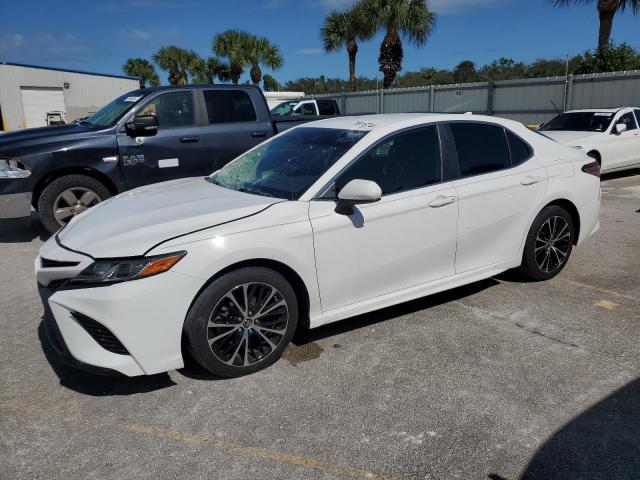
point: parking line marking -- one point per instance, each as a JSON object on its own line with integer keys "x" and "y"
{"x": 290, "y": 458}
{"x": 256, "y": 451}
{"x": 607, "y": 304}
{"x": 603, "y": 290}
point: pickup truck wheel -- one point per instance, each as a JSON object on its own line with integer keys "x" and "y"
{"x": 66, "y": 197}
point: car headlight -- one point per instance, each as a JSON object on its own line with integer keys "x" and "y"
{"x": 122, "y": 270}
{"x": 13, "y": 168}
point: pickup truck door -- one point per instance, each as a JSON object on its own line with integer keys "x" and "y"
{"x": 176, "y": 151}
{"x": 234, "y": 123}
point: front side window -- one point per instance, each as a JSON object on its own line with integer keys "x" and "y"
{"x": 637, "y": 115}
{"x": 282, "y": 109}
{"x": 628, "y": 120}
{"x": 580, "y": 122}
{"x": 288, "y": 165}
{"x": 481, "y": 148}
{"x": 172, "y": 109}
{"x": 229, "y": 106}
{"x": 403, "y": 162}
{"x": 307, "y": 109}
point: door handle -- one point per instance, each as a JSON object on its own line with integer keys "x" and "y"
{"x": 193, "y": 139}
{"x": 530, "y": 180}
{"x": 441, "y": 201}
{"x": 258, "y": 134}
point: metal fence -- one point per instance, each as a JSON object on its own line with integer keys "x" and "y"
{"x": 531, "y": 101}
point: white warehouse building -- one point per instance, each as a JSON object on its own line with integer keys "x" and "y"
{"x": 32, "y": 96}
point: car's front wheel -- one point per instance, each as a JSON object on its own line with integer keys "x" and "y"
{"x": 549, "y": 243}
{"x": 242, "y": 322}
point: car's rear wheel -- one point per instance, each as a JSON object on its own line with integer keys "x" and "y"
{"x": 242, "y": 322}
{"x": 68, "y": 196}
{"x": 549, "y": 243}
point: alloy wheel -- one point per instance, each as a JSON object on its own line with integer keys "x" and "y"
{"x": 247, "y": 324}
{"x": 73, "y": 201}
{"x": 553, "y": 243}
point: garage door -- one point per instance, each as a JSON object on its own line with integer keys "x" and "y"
{"x": 38, "y": 101}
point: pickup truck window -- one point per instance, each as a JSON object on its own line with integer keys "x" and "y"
{"x": 109, "y": 115}
{"x": 327, "y": 107}
{"x": 229, "y": 106}
{"x": 307, "y": 109}
{"x": 288, "y": 165}
{"x": 173, "y": 109}
{"x": 283, "y": 108}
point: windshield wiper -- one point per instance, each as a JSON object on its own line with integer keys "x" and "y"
{"x": 254, "y": 192}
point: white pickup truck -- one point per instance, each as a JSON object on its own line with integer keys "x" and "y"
{"x": 611, "y": 136}
{"x": 320, "y": 107}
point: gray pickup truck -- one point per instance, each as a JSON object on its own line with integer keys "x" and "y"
{"x": 145, "y": 136}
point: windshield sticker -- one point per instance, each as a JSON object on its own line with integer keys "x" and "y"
{"x": 132, "y": 99}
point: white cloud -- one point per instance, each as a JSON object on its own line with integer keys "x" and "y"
{"x": 46, "y": 47}
{"x": 137, "y": 34}
{"x": 309, "y": 51}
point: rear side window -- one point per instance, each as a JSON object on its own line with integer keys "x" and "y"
{"x": 481, "y": 148}
{"x": 637, "y": 115}
{"x": 327, "y": 107}
{"x": 520, "y": 151}
{"x": 403, "y": 162}
{"x": 229, "y": 106}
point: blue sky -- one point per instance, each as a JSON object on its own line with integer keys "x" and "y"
{"x": 100, "y": 36}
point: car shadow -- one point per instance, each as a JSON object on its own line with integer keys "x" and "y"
{"x": 305, "y": 336}
{"x": 602, "y": 442}
{"x": 22, "y": 230}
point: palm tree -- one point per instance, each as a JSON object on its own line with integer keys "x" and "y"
{"x": 139, "y": 67}
{"x": 606, "y": 11}
{"x": 259, "y": 50}
{"x": 344, "y": 29}
{"x": 410, "y": 19}
{"x": 177, "y": 61}
{"x": 204, "y": 71}
{"x": 232, "y": 44}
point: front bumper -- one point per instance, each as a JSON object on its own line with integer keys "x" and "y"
{"x": 15, "y": 205}
{"x": 144, "y": 316}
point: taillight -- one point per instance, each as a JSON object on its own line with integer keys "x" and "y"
{"x": 592, "y": 168}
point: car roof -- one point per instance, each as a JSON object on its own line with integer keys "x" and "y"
{"x": 400, "y": 120}
{"x": 598, "y": 110}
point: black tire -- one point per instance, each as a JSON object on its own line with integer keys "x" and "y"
{"x": 227, "y": 361}
{"x": 51, "y": 193}
{"x": 543, "y": 258}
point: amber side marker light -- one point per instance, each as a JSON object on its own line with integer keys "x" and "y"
{"x": 159, "y": 265}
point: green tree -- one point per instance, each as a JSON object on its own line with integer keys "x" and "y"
{"x": 410, "y": 19}
{"x": 260, "y": 51}
{"x": 344, "y": 29}
{"x": 465, "y": 72}
{"x": 270, "y": 84}
{"x": 204, "y": 71}
{"x": 503, "y": 69}
{"x": 233, "y": 45}
{"x": 139, "y": 67}
{"x": 177, "y": 61}
{"x": 607, "y": 9}
{"x": 610, "y": 59}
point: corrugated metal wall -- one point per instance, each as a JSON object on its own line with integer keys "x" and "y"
{"x": 531, "y": 101}
{"x": 86, "y": 93}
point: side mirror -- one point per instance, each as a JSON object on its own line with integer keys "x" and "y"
{"x": 619, "y": 128}
{"x": 142, "y": 126}
{"x": 355, "y": 192}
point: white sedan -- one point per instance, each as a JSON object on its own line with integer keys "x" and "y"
{"x": 326, "y": 221}
{"x": 611, "y": 136}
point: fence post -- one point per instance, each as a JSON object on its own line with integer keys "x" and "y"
{"x": 490, "y": 94}
{"x": 343, "y": 103}
{"x": 568, "y": 93}
{"x": 432, "y": 98}
{"x": 382, "y": 101}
